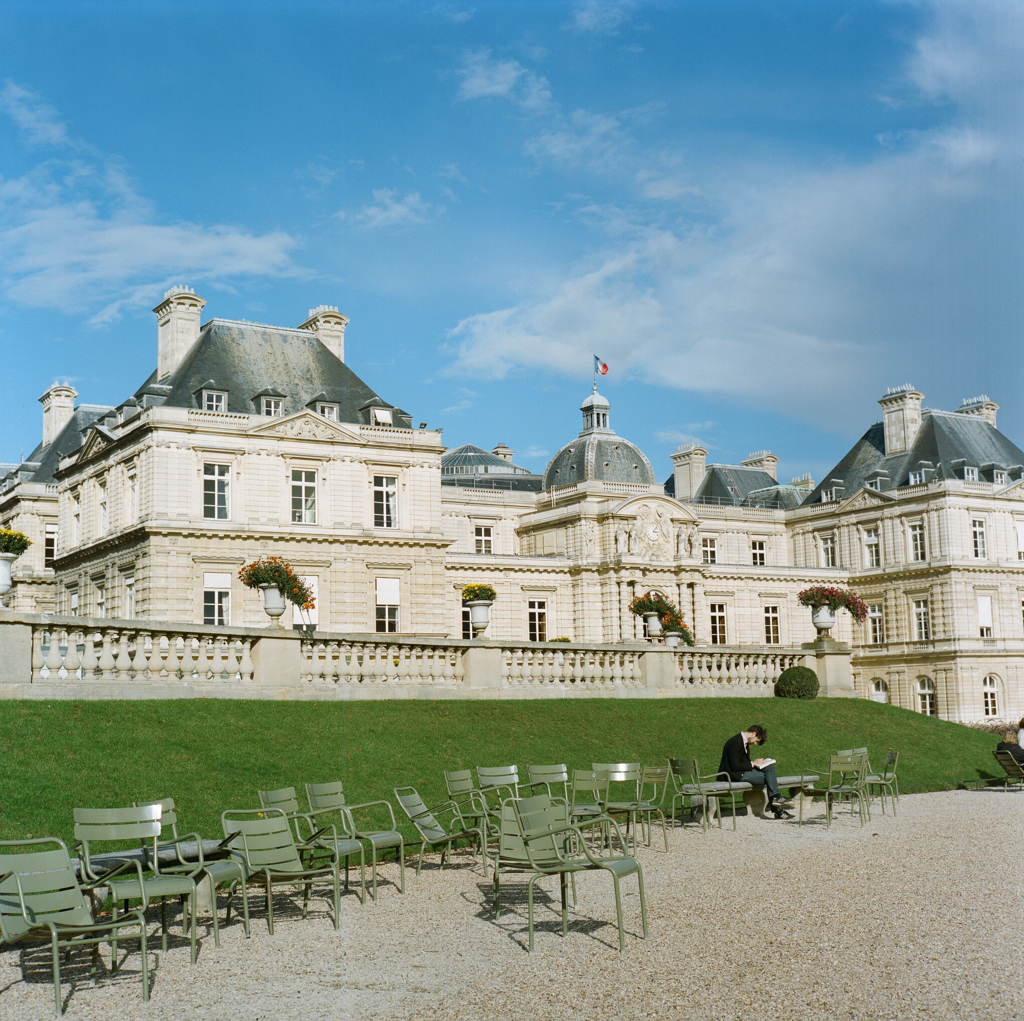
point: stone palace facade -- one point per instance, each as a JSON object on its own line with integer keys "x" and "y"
{"x": 250, "y": 439}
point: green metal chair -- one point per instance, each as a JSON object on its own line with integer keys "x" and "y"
{"x": 712, "y": 790}
{"x": 330, "y": 797}
{"x": 655, "y": 777}
{"x": 41, "y": 900}
{"x": 128, "y": 880}
{"x": 263, "y": 841}
{"x": 432, "y": 832}
{"x": 555, "y": 848}
{"x": 846, "y": 779}
{"x": 221, "y": 870}
{"x": 495, "y": 779}
{"x": 588, "y": 782}
{"x": 630, "y": 774}
{"x": 1011, "y": 767}
{"x": 472, "y": 804}
{"x": 554, "y": 776}
{"x": 682, "y": 773}
{"x": 345, "y": 843}
{"x": 885, "y": 781}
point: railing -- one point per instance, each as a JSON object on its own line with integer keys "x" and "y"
{"x": 48, "y": 656}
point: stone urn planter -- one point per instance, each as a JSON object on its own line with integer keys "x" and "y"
{"x": 6, "y": 560}
{"x": 824, "y": 619}
{"x": 672, "y": 640}
{"x": 479, "y": 615}
{"x": 273, "y": 603}
{"x": 653, "y": 625}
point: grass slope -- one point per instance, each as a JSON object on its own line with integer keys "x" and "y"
{"x": 211, "y": 754}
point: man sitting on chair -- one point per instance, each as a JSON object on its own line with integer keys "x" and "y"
{"x": 736, "y": 762}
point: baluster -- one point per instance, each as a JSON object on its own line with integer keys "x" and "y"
{"x": 190, "y": 658}
{"x": 447, "y": 671}
{"x": 530, "y": 666}
{"x": 245, "y": 667}
{"x": 348, "y": 663}
{"x": 459, "y": 671}
{"x": 407, "y": 664}
{"x": 315, "y": 666}
{"x": 106, "y": 663}
{"x": 38, "y": 659}
{"x": 159, "y": 649}
{"x": 71, "y": 659}
{"x": 330, "y": 662}
{"x": 704, "y": 667}
{"x": 54, "y": 660}
{"x": 616, "y": 670}
{"x": 173, "y": 662}
{"x": 140, "y": 660}
{"x": 547, "y": 667}
{"x": 219, "y": 658}
{"x": 759, "y": 672}
{"x": 89, "y": 660}
{"x": 123, "y": 661}
{"x": 568, "y": 666}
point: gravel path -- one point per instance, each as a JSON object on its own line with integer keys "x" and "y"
{"x": 911, "y": 918}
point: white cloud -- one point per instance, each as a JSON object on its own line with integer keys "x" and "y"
{"x": 390, "y": 211}
{"x": 535, "y": 452}
{"x": 794, "y": 277}
{"x": 602, "y": 17}
{"x": 452, "y": 13}
{"x": 75, "y": 234}
{"x": 485, "y": 77}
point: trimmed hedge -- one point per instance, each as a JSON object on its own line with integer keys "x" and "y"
{"x": 797, "y": 682}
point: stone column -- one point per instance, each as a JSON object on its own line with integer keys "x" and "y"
{"x": 831, "y": 662}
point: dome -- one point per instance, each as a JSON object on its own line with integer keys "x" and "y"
{"x": 472, "y": 460}
{"x": 597, "y": 454}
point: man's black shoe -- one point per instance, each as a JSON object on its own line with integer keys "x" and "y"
{"x": 780, "y": 802}
{"x": 781, "y": 813}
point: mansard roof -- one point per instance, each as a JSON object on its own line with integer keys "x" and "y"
{"x": 945, "y": 443}
{"x": 45, "y": 460}
{"x": 245, "y": 360}
{"x": 474, "y": 460}
{"x": 734, "y": 485}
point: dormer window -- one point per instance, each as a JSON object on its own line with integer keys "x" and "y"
{"x": 328, "y": 411}
{"x": 970, "y": 474}
{"x": 271, "y": 406}
{"x": 999, "y": 478}
{"x": 916, "y": 479}
{"x": 875, "y": 484}
{"x": 382, "y": 416}
{"x": 215, "y": 400}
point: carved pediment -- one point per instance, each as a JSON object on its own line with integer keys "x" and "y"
{"x": 305, "y": 425}
{"x": 1015, "y": 491}
{"x": 865, "y": 498}
{"x": 96, "y": 441}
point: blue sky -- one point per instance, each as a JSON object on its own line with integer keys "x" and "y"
{"x": 759, "y": 214}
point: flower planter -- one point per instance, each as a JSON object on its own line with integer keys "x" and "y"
{"x": 479, "y": 615}
{"x": 6, "y": 560}
{"x": 653, "y": 625}
{"x": 273, "y": 603}
{"x": 672, "y": 640}
{"x": 824, "y": 619}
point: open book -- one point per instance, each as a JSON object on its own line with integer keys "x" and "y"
{"x": 766, "y": 762}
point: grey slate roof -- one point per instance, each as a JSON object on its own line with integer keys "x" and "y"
{"x": 517, "y": 483}
{"x": 737, "y": 486}
{"x": 248, "y": 359}
{"x": 44, "y": 461}
{"x": 944, "y": 445}
{"x": 472, "y": 460}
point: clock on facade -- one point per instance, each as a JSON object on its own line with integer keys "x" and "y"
{"x": 653, "y": 532}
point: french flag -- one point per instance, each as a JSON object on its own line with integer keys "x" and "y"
{"x": 601, "y": 368}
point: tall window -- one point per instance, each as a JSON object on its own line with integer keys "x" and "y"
{"x": 872, "y": 548}
{"x": 128, "y": 610}
{"x": 717, "y": 615}
{"x": 271, "y": 406}
{"x": 385, "y": 501}
{"x": 388, "y": 591}
{"x": 216, "y": 479}
{"x": 329, "y": 411}
{"x": 984, "y": 616}
{"x": 215, "y": 400}
{"x": 879, "y": 690}
{"x": 1019, "y": 529}
{"x": 73, "y": 602}
{"x": 990, "y": 696}
{"x": 876, "y": 624}
{"x": 970, "y": 474}
{"x": 978, "y": 537}
{"x": 217, "y": 599}
{"x": 76, "y": 518}
{"x": 538, "y": 620}
{"x": 483, "y": 538}
{"x": 917, "y": 550}
{"x": 102, "y": 500}
{"x": 828, "y": 551}
{"x": 757, "y": 552}
{"x": 709, "y": 551}
{"x": 131, "y": 502}
{"x": 922, "y": 621}
{"x": 771, "y": 625}
{"x": 467, "y": 623}
{"x": 50, "y": 546}
{"x": 304, "y": 497}
{"x": 926, "y": 703}
{"x": 101, "y": 600}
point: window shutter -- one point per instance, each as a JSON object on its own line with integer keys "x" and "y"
{"x": 984, "y": 611}
{"x": 388, "y": 590}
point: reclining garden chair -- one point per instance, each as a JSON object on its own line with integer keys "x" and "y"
{"x": 554, "y": 848}
{"x": 344, "y": 842}
{"x": 221, "y": 870}
{"x": 432, "y": 832}
{"x": 41, "y": 900}
{"x": 472, "y": 803}
{"x": 129, "y": 879}
{"x": 1011, "y": 767}
{"x": 330, "y": 797}
{"x": 496, "y": 779}
{"x": 262, "y": 841}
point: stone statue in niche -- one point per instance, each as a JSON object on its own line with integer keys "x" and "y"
{"x": 634, "y": 538}
{"x": 589, "y": 534}
{"x": 621, "y": 540}
{"x": 691, "y": 541}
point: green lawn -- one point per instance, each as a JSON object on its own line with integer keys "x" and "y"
{"x": 210, "y": 754}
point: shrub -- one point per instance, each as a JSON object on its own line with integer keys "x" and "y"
{"x": 797, "y": 682}
{"x": 13, "y": 542}
{"x": 559, "y": 639}
{"x": 477, "y": 593}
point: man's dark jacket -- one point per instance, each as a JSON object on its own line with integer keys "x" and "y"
{"x": 735, "y": 758}
{"x": 1013, "y": 748}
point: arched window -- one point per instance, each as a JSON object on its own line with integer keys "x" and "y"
{"x": 926, "y": 702}
{"x": 990, "y": 696}
{"x": 879, "y": 690}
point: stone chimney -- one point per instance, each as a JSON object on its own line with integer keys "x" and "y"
{"x": 58, "y": 406}
{"x": 763, "y": 459}
{"x": 329, "y": 326}
{"x": 980, "y": 406}
{"x": 503, "y": 452}
{"x": 901, "y": 407}
{"x": 804, "y": 482}
{"x": 689, "y": 470}
{"x": 178, "y": 324}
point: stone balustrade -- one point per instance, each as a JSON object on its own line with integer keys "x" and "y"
{"x": 45, "y": 656}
